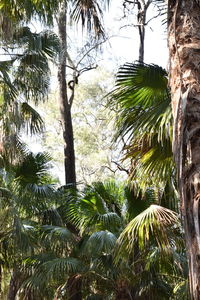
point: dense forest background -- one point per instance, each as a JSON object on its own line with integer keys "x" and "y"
{"x": 91, "y": 199}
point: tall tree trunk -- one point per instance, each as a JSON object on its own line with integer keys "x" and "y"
{"x": 65, "y": 105}
{"x": 184, "y": 47}
{"x": 141, "y": 16}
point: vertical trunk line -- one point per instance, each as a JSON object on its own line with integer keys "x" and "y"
{"x": 65, "y": 107}
{"x": 196, "y": 221}
{"x": 184, "y": 46}
{"x": 142, "y": 9}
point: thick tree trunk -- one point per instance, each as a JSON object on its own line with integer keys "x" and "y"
{"x": 65, "y": 106}
{"x": 184, "y": 46}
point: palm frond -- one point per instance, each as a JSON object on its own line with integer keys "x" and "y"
{"x": 153, "y": 223}
{"x": 101, "y": 242}
{"x": 24, "y": 11}
{"x": 140, "y": 84}
{"x": 45, "y": 43}
{"x": 58, "y": 236}
{"x": 144, "y": 121}
{"x": 90, "y": 13}
{"x": 32, "y": 118}
{"x": 54, "y": 269}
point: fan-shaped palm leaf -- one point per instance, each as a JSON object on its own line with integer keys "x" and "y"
{"x": 100, "y": 242}
{"x": 154, "y": 223}
{"x": 58, "y": 237}
{"x": 89, "y": 12}
{"x": 53, "y": 269}
{"x": 145, "y": 121}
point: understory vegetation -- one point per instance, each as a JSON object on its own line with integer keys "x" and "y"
{"x": 95, "y": 214}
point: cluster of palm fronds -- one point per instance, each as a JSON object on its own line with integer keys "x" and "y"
{"x": 109, "y": 240}
{"x": 24, "y": 76}
{"x": 144, "y": 122}
{"x": 70, "y": 244}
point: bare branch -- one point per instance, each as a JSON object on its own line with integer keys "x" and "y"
{"x": 154, "y": 17}
{"x": 87, "y": 69}
{"x": 92, "y": 48}
{"x": 120, "y": 167}
{"x": 111, "y": 170}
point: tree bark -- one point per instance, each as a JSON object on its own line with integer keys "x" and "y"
{"x": 65, "y": 106}
{"x": 184, "y": 47}
{"x": 142, "y": 10}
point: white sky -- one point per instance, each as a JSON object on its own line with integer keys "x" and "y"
{"x": 124, "y": 48}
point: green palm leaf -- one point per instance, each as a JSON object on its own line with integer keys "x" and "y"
{"x": 100, "y": 242}
{"x": 90, "y": 13}
{"x": 144, "y": 122}
{"x": 154, "y": 223}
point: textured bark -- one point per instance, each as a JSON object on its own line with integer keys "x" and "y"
{"x": 65, "y": 105}
{"x": 184, "y": 47}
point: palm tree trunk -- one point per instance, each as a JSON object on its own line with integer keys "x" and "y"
{"x": 122, "y": 291}
{"x": 14, "y": 284}
{"x": 184, "y": 47}
{"x": 65, "y": 106}
{"x": 74, "y": 286}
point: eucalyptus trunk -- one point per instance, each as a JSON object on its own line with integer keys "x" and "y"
{"x": 141, "y": 16}
{"x": 184, "y": 47}
{"x": 65, "y": 105}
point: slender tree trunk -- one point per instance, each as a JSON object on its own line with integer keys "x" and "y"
{"x": 184, "y": 47}
{"x": 14, "y": 284}
{"x": 65, "y": 106}
{"x": 142, "y": 9}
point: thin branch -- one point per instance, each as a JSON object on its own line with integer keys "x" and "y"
{"x": 120, "y": 167}
{"x": 87, "y": 69}
{"x": 92, "y": 48}
{"x": 153, "y": 18}
{"x": 107, "y": 167}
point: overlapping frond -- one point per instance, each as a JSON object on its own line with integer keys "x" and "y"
{"x": 100, "y": 242}
{"x": 144, "y": 121}
{"x": 154, "y": 223}
{"x": 90, "y": 13}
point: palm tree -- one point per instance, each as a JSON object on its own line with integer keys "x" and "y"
{"x": 144, "y": 122}
{"x": 26, "y": 189}
{"x": 24, "y": 78}
{"x": 87, "y": 264}
{"x": 183, "y": 24}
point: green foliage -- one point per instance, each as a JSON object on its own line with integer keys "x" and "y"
{"x": 144, "y": 122}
